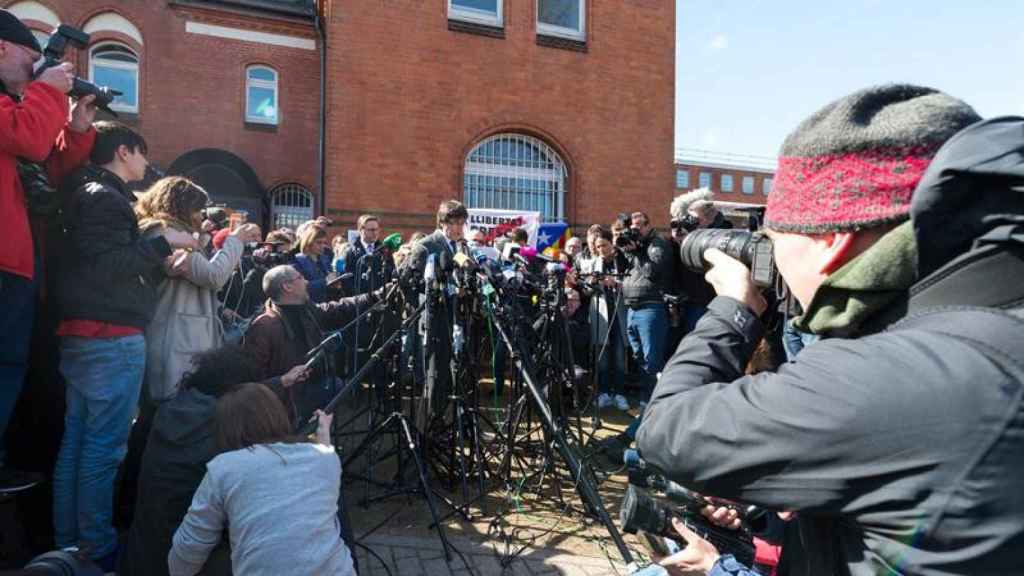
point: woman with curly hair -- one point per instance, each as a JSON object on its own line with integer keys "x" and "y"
{"x": 186, "y": 320}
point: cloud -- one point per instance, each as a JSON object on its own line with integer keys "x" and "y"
{"x": 719, "y": 42}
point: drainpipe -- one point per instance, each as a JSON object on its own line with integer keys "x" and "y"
{"x": 321, "y": 153}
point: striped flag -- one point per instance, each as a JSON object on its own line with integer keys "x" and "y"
{"x": 551, "y": 238}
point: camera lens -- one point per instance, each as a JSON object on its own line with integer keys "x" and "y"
{"x": 753, "y": 249}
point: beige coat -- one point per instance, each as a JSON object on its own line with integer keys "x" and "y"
{"x": 187, "y": 319}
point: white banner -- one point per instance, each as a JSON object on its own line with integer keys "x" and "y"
{"x": 497, "y": 222}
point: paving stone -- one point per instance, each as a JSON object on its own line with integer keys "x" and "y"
{"x": 437, "y": 567}
{"x": 409, "y": 567}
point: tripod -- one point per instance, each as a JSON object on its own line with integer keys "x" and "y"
{"x": 407, "y": 446}
{"x": 584, "y": 476}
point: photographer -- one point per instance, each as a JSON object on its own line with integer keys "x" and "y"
{"x": 275, "y": 496}
{"x": 650, "y": 278}
{"x": 291, "y": 326}
{"x": 600, "y": 284}
{"x": 35, "y": 127}
{"x": 243, "y": 296}
{"x": 694, "y": 211}
{"x": 107, "y": 293}
{"x": 180, "y": 445}
{"x": 897, "y": 439}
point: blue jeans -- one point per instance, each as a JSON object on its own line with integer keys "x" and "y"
{"x": 611, "y": 366}
{"x": 18, "y": 296}
{"x": 648, "y": 332}
{"x": 104, "y": 377}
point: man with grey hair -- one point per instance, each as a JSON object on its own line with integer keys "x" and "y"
{"x": 291, "y": 325}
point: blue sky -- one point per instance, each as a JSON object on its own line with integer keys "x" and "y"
{"x": 747, "y": 71}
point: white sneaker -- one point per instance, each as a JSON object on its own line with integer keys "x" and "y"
{"x": 621, "y": 403}
{"x": 604, "y": 401}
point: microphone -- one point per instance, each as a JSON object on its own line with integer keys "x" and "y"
{"x": 430, "y": 271}
{"x": 463, "y": 261}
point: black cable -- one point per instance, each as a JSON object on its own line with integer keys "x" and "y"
{"x": 374, "y": 554}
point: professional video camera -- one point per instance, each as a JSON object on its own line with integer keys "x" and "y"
{"x": 688, "y": 222}
{"x": 642, "y": 512}
{"x": 53, "y": 54}
{"x": 630, "y": 237}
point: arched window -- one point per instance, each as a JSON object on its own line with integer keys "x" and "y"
{"x": 117, "y": 66}
{"x": 516, "y": 172}
{"x": 290, "y": 205}
{"x": 261, "y": 95}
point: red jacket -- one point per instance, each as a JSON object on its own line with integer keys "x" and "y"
{"x": 32, "y": 129}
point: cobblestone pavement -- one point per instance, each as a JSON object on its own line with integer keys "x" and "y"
{"x": 415, "y": 556}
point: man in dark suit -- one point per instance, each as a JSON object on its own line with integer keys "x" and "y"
{"x": 371, "y": 266}
{"x": 436, "y": 326}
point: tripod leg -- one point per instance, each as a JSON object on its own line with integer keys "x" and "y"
{"x": 427, "y": 493}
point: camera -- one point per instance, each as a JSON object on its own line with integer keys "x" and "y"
{"x": 643, "y": 512}
{"x": 629, "y": 236}
{"x": 688, "y": 222}
{"x": 754, "y": 249}
{"x": 54, "y": 54}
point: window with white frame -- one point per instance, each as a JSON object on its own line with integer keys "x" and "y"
{"x": 290, "y": 205}
{"x": 766, "y": 186}
{"x": 565, "y": 18}
{"x": 726, "y": 182}
{"x": 682, "y": 178}
{"x": 117, "y": 66}
{"x": 476, "y": 11}
{"x": 705, "y": 179}
{"x": 261, "y": 97}
{"x": 516, "y": 172}
{"x": 748, "y": 184}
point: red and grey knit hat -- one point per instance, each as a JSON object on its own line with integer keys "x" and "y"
{"x": 855, "y": 163}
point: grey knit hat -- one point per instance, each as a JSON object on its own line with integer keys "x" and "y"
{"x": 854, "y": 164}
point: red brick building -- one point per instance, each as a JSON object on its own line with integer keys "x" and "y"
{"x": 189, "y": 69}
{"x": 737, "y": 180}
{"x": 561, "y": 106}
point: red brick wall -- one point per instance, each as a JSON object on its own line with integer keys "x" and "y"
{"x": 192, "y": 87}
{"x": 409, "y": 98}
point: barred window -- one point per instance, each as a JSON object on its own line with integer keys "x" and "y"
{"x": 290, "y": 205}
{"x": 516, "y": 172}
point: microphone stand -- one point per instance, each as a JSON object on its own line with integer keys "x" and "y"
{"x": 580, "y": 471}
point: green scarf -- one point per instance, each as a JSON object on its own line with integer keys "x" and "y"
{"x": 864, "y": 286}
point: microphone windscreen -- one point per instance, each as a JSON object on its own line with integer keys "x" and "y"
{"x": 393, "y": 242}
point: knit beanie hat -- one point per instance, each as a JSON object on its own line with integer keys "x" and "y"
{"x": 854, "y": 164}
{"x": 14, "y": 30}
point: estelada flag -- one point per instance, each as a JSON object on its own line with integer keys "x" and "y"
{"x": 551, "y": 238}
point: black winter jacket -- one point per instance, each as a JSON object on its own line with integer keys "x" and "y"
{"x": 180, "y": 445}
{"x": 900, "y": 451}
{"x": 651, "y": 272}
{"x": 108, "y": 272}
